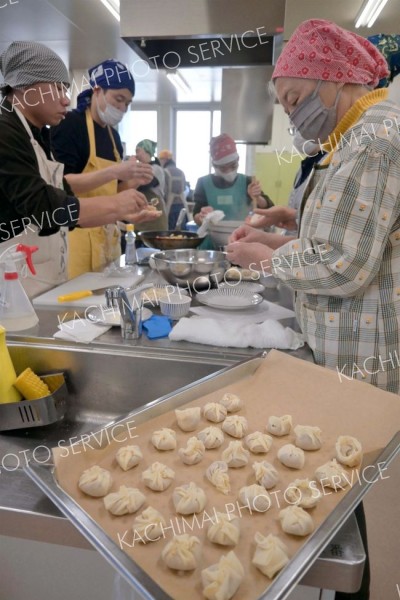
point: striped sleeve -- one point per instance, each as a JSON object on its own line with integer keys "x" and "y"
{"x": 351, "y": 221}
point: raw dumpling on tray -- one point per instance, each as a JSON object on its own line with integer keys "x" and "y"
{"x": 95, "y": 481}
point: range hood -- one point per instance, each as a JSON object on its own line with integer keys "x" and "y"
{"x": 202, "y": 33}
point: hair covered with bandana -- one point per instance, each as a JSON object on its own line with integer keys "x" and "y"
{"x": 28, "y": 63}
{"x": 320, "y": 49}
{"x": 108, "y": 75}
{"x": 148, "y": 146}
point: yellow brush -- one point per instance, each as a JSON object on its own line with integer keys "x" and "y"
{"x": 31, "y": 386}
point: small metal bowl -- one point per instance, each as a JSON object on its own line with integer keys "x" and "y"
{"x": 198, "y": 269}
{"x": 165, "y": 240}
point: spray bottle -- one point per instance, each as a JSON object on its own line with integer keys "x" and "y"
{"x": 16, "y": 310}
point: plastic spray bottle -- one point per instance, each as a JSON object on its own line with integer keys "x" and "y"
{"x": 16, "y": 310}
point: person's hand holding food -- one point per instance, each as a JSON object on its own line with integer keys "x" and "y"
{"x": 248, "y": 234}
{"x": 280, "y": 216}
{"x": 253, "y": 255}
{"x": 199, "y": 218}
{"x": 135, "y": 172}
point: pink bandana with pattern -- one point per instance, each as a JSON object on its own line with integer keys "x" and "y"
{"x": 320, "y": 49}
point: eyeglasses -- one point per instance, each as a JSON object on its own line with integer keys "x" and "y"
{"x": 229, "y": 167}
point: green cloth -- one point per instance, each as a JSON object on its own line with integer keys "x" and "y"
{"x": 148, "y": 146}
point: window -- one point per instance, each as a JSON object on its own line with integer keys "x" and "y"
{"x": 194, "y": 129}
{"x": 137, "y": 125}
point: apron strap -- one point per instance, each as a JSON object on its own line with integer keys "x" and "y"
{"x": 92, "y": 141}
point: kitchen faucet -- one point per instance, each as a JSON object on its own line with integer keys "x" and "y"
{"x": 131, "y": 314}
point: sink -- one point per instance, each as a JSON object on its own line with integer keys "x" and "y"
{"x": 102, "y": 385}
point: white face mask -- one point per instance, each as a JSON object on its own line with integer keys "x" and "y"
{"x": 110, "y": 115}
{"x": 229, "y": 177}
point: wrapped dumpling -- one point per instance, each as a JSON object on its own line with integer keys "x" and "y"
{"x": 164, "y": 439}
{"x": 188, "y": 418}
{"x": 128, "y": 457}
{"x": 271, "y": 554}
{"x": 215, "y": 412}
{"x": 255, "y": 497}
{"x": 231, "y": 402}
{"x": 308, "y": 437}
{"x": 291, "y": 456}
{"x": 182, "y": 553}
{"x": 348, "y": 451}
{"x": 222, "y": 580}
{"x": 258, "y": 442}
{"x": 126, "y": 501}
{"x": 303, "y": 492}
{"x": 217, "y": 474}
{"x": 149, "y": 525}
{"x": 225, "y": 531}
{"x": 235, "y": 455}
{"x": 95, "y": 481}
{"x": 332, "y": 475}
{"x": 296, "y": 520}
{"x": 235, "y": 426}
{"x": 189, "y": 499}
{"x": 212, "y": 437}
{"x": 158, "y": 476}
{"x": 193, "y": 452}
{"x": 266, "y": 474}
{"x": 279, "y": 425}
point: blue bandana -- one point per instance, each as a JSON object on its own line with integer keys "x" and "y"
{"x": 108, "y": 75}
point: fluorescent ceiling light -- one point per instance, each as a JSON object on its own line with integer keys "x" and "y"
{"x": 370, "y": 11}
{"x": 179, "y": 82}
{"x": 113, "y": 7}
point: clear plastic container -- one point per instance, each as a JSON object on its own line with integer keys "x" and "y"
{"x": 130, "y": 248}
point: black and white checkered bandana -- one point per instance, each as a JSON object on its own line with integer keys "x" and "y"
{"x": 27, "y": 63}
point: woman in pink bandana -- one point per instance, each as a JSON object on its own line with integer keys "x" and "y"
{"x": 345, "y": 263}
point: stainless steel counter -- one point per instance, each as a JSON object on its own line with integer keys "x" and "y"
{"x": 107, "y": 379}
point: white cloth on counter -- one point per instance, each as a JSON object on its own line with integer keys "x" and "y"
{"x": 255, "y": 314}
{"x": 269, "y": 334}
{"x": 80, "y": 330}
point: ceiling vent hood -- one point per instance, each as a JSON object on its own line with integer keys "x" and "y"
{"x": 202, "y": 33}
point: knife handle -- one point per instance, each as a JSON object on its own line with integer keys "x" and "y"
{"x": 75, "y": 296}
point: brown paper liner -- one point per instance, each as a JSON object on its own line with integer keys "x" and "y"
{"x": 281, "y": 385}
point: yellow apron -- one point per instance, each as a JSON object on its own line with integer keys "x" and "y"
{"x": 92, "y": 248}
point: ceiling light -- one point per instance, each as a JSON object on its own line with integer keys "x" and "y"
{"x": 113, "y": 7}
{"x": 179, "y": 82}
{"x": 370, "y": 11}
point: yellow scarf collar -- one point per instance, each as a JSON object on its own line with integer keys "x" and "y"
{"x": 350, "y": 118}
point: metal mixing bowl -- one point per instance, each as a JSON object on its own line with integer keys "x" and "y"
{"x": 198, "y": 269}
{"x": 166, "y": 240}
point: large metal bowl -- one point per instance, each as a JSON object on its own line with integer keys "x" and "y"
{"x": 198, "y": 269}
{"x": 165, "y": 240}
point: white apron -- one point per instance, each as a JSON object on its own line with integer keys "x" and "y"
{"x": 50, "y": 260}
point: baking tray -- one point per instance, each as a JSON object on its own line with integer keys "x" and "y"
{"x": 299, "y": 564}
{"x": 35, "y": 413}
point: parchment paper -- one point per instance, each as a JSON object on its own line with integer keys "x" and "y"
{"x": 281, "y": 385}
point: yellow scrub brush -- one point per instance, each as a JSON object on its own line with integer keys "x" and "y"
{"x": 31, "y": 386}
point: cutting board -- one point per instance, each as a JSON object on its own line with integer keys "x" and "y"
{"x": 87, "y": 281}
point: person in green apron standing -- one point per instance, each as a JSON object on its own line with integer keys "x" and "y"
{"x": 37, "y": 206}
{"x": 90, "y": 148}
{"x": 226, "y": 189}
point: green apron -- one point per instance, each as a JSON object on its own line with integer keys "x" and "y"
{"x": 232, "y": 200}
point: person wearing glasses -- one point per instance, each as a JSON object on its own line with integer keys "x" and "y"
{"x": 90, "y": 148}
{"x": 226, "y": 189}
